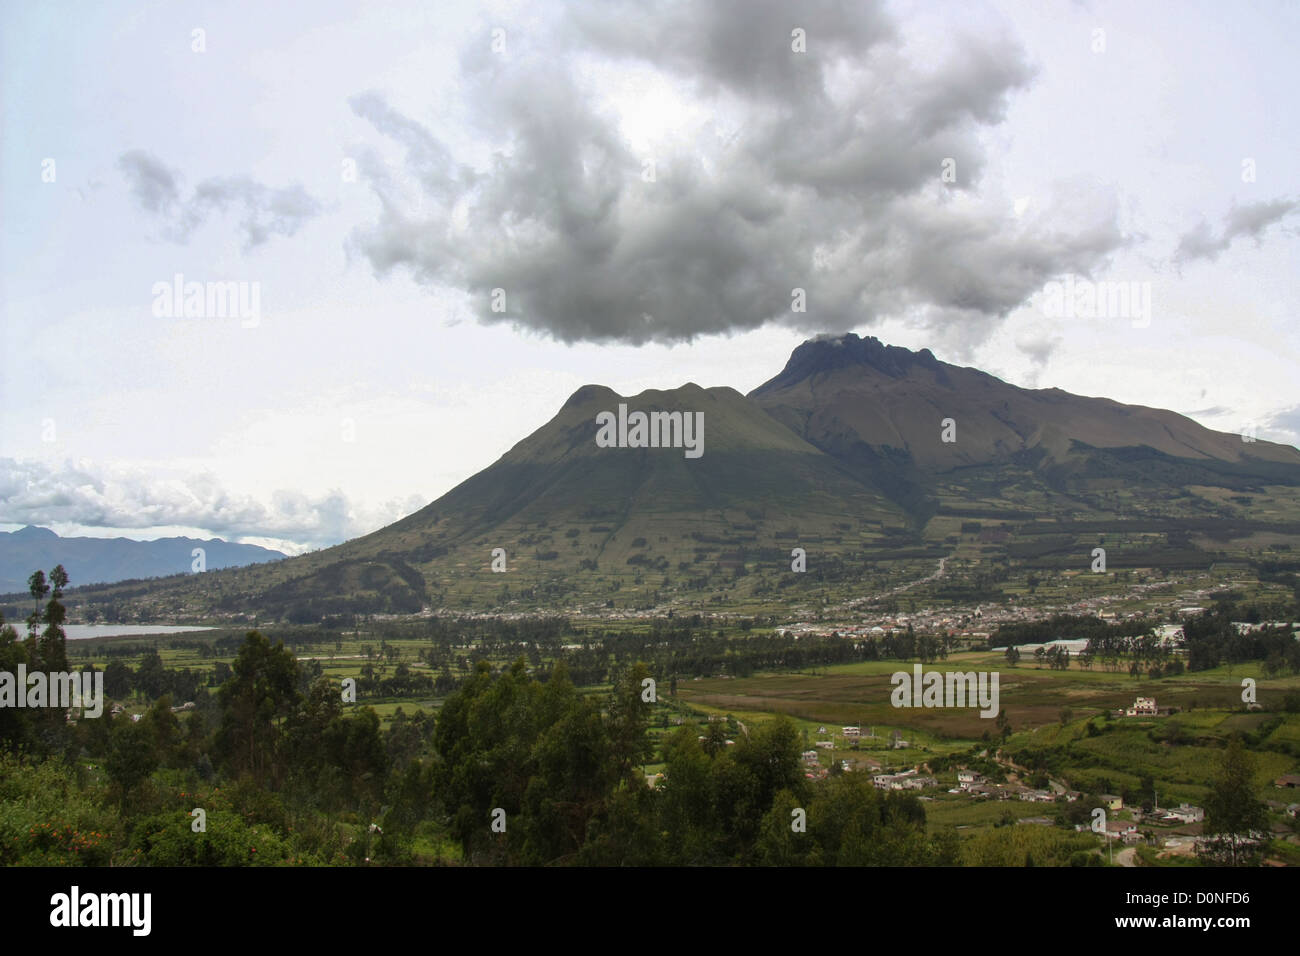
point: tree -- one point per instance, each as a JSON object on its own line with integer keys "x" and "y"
{"x": 628, "y": 717}
{"x": 575, "y": 764}
{"x": 14, "y": 721}
{"x": 131, "y": 755}
{"x": 54, "y": 641}
{"x": 162, "y": 723}
{"x": 1234, "y": 814}
{"x": 1147, "y": 790}
{"x": 49, "y": 653}
{"x": 353, "y": 745}
{"x": 1003, "y": 724}
{"x": 151, "y": 677}
{"x": 260, "y": 694}
{"x": 779, "y": 844}
{"x": 38, "y": 588}
{"x": 118, "y": 680}
{"x": 483, "y": 735}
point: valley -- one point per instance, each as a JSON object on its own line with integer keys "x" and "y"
{"x": 676, "y": 628}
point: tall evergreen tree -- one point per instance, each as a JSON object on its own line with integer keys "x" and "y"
{"x": 260, "y": 694}
{"x": 1234, "y": 814}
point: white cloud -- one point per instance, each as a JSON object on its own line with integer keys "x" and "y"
{"x": 85, "y": 497}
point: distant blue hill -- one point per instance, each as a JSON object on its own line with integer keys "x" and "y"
{"x": 105, "y": 560}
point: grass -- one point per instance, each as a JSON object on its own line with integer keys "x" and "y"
{"x": 950, "y": 809}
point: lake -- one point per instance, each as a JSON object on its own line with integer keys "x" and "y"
{"x": 81, "y": 632}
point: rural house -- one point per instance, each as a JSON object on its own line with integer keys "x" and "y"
{"x": 969, "y": 778}
{"x": 1142, "y": 707}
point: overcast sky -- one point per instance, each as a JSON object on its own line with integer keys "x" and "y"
{"x": 644, "y": 182}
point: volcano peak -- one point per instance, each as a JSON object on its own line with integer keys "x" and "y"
{"x": 828, "y": 353}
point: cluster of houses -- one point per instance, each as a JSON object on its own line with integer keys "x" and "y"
{"x": 904, "y": 780}
{"x": 1288, "y": 781}
{"x": 812, "y": 765}
{"x": 814, "y": 770}
{"x": 1126, "y": 831}
{"x": 118, "y": 709}
{"x": 974, "y": 783}
{"x": 1244, "y": 627}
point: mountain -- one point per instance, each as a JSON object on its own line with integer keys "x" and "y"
{"x": 583, "y": 523}
{"x": 105, "y": 560}
{"x": 879, "y": 410}
{"x": 889, "y": 397}
{"x": 876, "y": 460}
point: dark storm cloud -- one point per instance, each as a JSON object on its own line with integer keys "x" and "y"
{"x": 740, "y": 46}
{"x": 1249, "y": 220}
{"x": 833, "y": 184}
{"x": 263, "y": 211}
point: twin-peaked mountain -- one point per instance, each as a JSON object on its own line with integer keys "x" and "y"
{"x": 842, "y": 453}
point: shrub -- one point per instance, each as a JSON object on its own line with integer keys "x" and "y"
{"x": 47, "y": 820}
{"x": 167, "y": 839}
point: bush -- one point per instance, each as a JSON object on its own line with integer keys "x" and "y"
{"x": 46, "y": 820}
{"x": 167, "y": 839}
{"x": 1008, "y": 846}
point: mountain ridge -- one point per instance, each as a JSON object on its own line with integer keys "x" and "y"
{"x": 868, "y": 454}
{"x": 108, "y": 560}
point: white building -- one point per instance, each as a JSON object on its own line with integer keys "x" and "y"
{"x": 1186, "y": 813}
